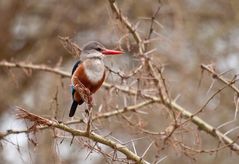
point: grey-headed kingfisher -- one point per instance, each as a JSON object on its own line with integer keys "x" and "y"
{"x": 89, "y": 70}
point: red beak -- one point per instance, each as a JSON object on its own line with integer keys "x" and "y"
{"x": 111, "y": 52}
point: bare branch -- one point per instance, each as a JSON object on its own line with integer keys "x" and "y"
{"x": 23, "y": 114}
{"x": 43, "y": 68}
{"x": 127, "y": 24}
{"x": 167, "y": 103}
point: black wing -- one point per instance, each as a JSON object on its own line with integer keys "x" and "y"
{"x": 74, "y": 103}
{"x": 75, "y": 66}
{"x": 73, "y": 70}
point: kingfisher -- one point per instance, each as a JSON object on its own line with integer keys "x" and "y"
{"x": 89, "y": 70}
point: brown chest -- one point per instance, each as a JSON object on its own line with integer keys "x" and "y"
{"x": 90, "y": 78}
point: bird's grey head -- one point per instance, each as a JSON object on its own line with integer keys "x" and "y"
{"x": 92, "y": 49}
{"x": 95, "y": 50}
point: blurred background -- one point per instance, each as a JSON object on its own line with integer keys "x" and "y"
{"x": 190, "y": 33}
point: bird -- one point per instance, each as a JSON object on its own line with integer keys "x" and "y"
{"x": 89, "y": 70}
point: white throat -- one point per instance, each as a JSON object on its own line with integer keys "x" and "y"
{"x": 94, "y": 69}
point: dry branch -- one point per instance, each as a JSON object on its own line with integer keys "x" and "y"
{"x": 30, "y": 66}
{"x": 23, "y": 114}
{"x": 127, "y": 24}
{"x": 202, "y": 125}
{"x": 132, "y": 108}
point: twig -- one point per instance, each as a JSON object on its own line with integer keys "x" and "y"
{"x": 124, "y": 75}
{"x": 235, "y": 114}
{"x": 89, "y": 122}
{"x": 208, "y": 150}
{"x": 205, "y": 104}
{"x": 123, "y": 110}
{"x": 230, "y": 83}
{"x": 152, "y": 22}
{"x": 43, "y": 68}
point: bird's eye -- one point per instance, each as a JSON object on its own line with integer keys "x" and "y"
{"x": 98, "y": 49}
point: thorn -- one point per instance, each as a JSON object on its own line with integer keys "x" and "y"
{"x": 72, "y": 140}
{"x": 160, "y": 160}
{"x": 61, "y": 141}
{"x": 147, "y": 149}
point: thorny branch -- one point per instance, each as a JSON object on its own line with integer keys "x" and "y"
{"x": 127, "y": 24}
{"x": 172, "y": 105}
{"x": 132, "y": 108}
{"x": 37, "y": 120}
{"x": 30, "y": 66}
{"x": 166, "y": 101}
